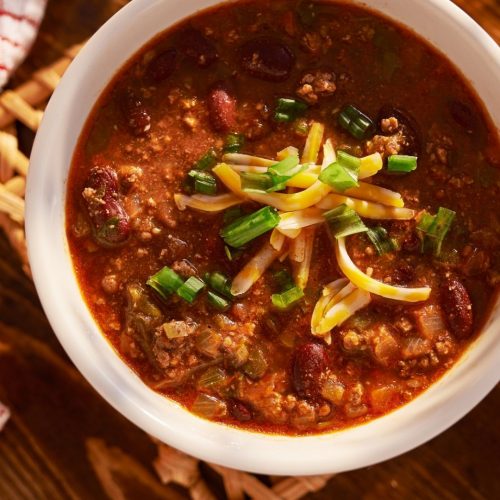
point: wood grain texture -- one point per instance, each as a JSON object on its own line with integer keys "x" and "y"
{"x": 64, "y": 441}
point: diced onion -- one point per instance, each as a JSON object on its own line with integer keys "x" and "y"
{"x": 206, "y": 203}
{"x": 366, "y": 209}
{"x": 365, "y": 282}
{"x": 254, "y": 269}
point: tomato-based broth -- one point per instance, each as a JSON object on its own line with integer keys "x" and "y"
{"x": 284, "y": 215}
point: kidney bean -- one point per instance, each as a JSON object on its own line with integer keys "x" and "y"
{"x": 136, "y": 115}
{"x": 109, "y": 219}
{"x": 163, "y": 65}
{"x": 457, "y": 305}
{"x": 239, "y": 410}
{"x": 222, "y": 107}
{"x": 267, "y": 58}
{"x": 195, "y": 46}
{"x": 463, "y": 115}
{"x": 310, "y": 363}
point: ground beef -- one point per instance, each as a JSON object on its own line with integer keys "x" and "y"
{"x": 316, "y": 85}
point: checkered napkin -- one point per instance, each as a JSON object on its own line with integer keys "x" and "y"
{"x": 19, "y": 23}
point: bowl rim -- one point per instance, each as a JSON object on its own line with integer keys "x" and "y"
{"x": 475, "y": 374}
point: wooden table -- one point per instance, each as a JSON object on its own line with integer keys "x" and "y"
{"x": 64, "y": 441}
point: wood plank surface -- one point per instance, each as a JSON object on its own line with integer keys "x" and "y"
{"x": 64, "y": 441}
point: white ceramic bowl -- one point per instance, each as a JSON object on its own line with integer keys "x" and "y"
{"x": 441, "y": 22}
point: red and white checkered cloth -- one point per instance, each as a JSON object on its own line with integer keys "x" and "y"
{"x": 19, "y": 23}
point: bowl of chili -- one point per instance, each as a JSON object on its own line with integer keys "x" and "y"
{"x": 84, "y": 295}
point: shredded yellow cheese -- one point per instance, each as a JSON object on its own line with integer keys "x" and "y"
{"x": 207, "y": 203}
{"x": 365, "y": 282}
{"x": 301, "y": 269}
{"x": 313, "y": 143}
{"x": 366, "y": 209}
{"x": 342, "y": 310}
{"x": 254, "y": 269}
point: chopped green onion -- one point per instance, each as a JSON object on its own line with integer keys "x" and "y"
{"x": 288, "y": 110}
{"x": 249, "y": 227}
{"x": 203, "y": 182}
{"x": 218, "y": 302}
{"x": 286, "y": 299}
{"x": 207, "y": 161}
{"x": 344, "y": 221}
{"x": 340, "y": 177}
{"x": 284, "y": 280}
{"x": 349, "y": 161}
{"x": 401, "y": 163}
{"x": 256, "y": 183}
{"x": 165, "y": 281}
{"x": 381, "y": 241}
{"x": 233, "y": 143}
{"x": 434, "y": 229}
{"x": 190, "y": 289}
{"x": 287, "y": 167}
{"x": 220, "y": 283}
{"x": 232, "y": 214}
{"x": 356, "y": 122}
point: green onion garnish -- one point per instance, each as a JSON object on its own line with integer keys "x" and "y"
{"x": 349, "y": 161}
{"x": 207, "y": 161}
{"x": 288, "y": 110}
{"x": 165, "y": 282}
{"x": 233, "y": 143}
{"x": 218, "y": 302}
{"x": 286, "y": 299}
{"x": 220, "y": 283}
{"x": 344, "y": 221}
{"x": 203, "y": 182}
{"x": 249, "y": 227}
{"x": 284, "y": 171}
{"x": 274, "y": 179}
{"x": 287, "y": 167}
{"x": 381, "y": 241}
{"x": 356, "y": 122}
{"x": 190, "y": 289}
{"x": 256, "y": 183}
{"x": 434, "y": 229}
{"x": 401, "y": 163}
{"x": 340, "y": 176}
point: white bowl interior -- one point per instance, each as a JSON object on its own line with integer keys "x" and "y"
{"x": 448, "y": 400}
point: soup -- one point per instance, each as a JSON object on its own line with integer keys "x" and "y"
{"x": 283, "y": 215}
